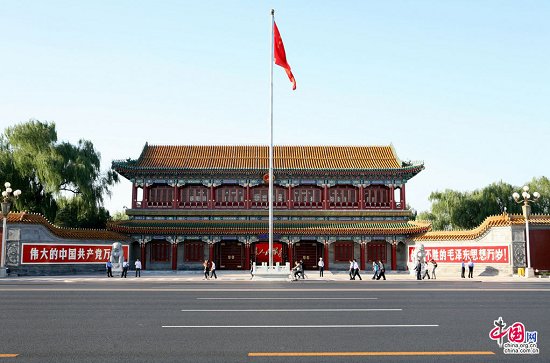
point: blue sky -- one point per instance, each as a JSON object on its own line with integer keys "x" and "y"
{"x": 462, "y": 85}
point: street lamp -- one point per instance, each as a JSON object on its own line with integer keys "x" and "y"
{"x": 8, "y": 196}
{"x": 526, "y": 213}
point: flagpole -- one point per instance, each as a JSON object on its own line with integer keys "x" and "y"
{"x": 270, "y": 190}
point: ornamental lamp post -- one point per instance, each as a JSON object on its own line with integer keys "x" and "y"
{"x": 526, "y": 213}
{"x": 8, "y": 196}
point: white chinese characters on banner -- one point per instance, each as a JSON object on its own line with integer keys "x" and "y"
{"x": 480, "y": 254}
{"x": 66, "y": 253}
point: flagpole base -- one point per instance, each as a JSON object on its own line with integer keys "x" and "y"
{"x": 273, "y": 273}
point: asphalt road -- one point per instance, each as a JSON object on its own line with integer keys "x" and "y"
{"x": 130, "y": 321}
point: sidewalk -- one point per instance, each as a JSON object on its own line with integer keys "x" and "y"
{"x": 339, "y": 276}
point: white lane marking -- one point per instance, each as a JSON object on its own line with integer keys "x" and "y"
{"x": 148, "y": 290}
{"x": 287, "y": 298}
{"x": 306, "y": 326}
{"x": 283, "y": 310}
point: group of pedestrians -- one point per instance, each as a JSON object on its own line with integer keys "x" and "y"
{"x": 125, "y": 267}
{"x": 354, "y": 270}
{"x": 209, "y": 270}
{"x": 470, "y": 268}
{"x": 298, "y": 270}
{"x": 379, "y": 270}
{"x": 423, "y": 270}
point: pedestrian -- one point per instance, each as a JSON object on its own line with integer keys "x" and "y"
{"x": 251, "y": 270}
{"x": 109, "y": 267}
{"x": 375, "y": 268}
{"x": 297, "y": 270}
{"x": 471, "y": 268}
{"x": 205, "y": 267}
{"x": 138, "y": 268}
{"x": 356, "y": 270}
{"x": 426, "y": 269}
{"x": 321, "y": 265}
{"x": 351, "y": 271}
{"x": 213, "y": 270}
{"x": 125, "y": 266}
{"x": 418, "y": 269}
{"x": 463, "y": 269}
{"x": 303, "y": 270}
{"x": 382, "y": 271}
{"x": 434, "y": 266}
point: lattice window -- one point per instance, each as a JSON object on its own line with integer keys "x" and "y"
{"x": 196, "y": 194}
{"x": 161, "y": 194}
{"x": 193, "y": 252}
{"x": 160, "y": 251}
{"x": 343, "y": 251}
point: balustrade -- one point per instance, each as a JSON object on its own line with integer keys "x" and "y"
{"x": 283, "y": 203}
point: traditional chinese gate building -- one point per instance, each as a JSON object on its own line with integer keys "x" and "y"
{"x": 195, "y": 203}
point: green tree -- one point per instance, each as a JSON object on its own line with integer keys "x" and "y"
{"x": 541, "y": 185}
{"x": 452, "y": 209}
{"x": 60, "y": 180}
{"x": 119, "y": 216}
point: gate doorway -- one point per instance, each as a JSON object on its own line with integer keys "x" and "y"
{"x": 309, "y": 252}
{"x": 231, "y": 256}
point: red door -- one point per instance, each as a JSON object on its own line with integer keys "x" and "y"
{"x": 231, "y": 256}
{"x": 308, "y": 252}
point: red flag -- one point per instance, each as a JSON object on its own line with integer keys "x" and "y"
{"x": 280, "y": 55}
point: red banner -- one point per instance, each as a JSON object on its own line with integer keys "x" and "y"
{"x": 67, "y": 253}
{"x": 492, "y": 254}
{"x": 262, "y": 252}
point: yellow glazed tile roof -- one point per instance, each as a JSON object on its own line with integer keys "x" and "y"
{"x": 502, "y": 220}
{"x": 71, "y": 233}
{"x": 259, "y": 227}
{"x": 256, "y": 157}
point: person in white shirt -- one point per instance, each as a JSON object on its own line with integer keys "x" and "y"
{"x": 125, "y": 266}
{"x": 321, "y": 265}
{"x": 356, "y": 269}
{"x": 138, "y": 268}
{"x": 351, "y": 270}
{"x": 426, "y": 270}
{"x": 213, "y": 270}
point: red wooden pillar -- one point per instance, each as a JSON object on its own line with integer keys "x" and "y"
{"x": 361, "y": 197}
{"x": 325, "y": 197}
{"x": 290, "y": 198}
{"x": 247, "y": 200}
{"x": 327, "y": 256}
{"x": 290, "y": 259}
{"x": 392, "y": 196}
{"x": 211, "y": 251}
{"x": 247, "y": 256}
{"x": 176, "y": 198}
{"x": 143, "y": 256}
{"x": 145, "y": 199}
{"x": 362, "y": 257}
{"x": 403, "y": 199}
{"x": 174, "y": 256}
{"x": 211, "y": 199}
{"x": 134, "y": 195}
{"x": 394, "y": 255}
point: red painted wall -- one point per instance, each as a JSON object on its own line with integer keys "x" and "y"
{"x": 540, "y": 249}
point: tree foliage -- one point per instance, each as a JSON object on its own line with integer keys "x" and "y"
{"x": 452, "y": 209}
{"x": 60, "y": 180}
